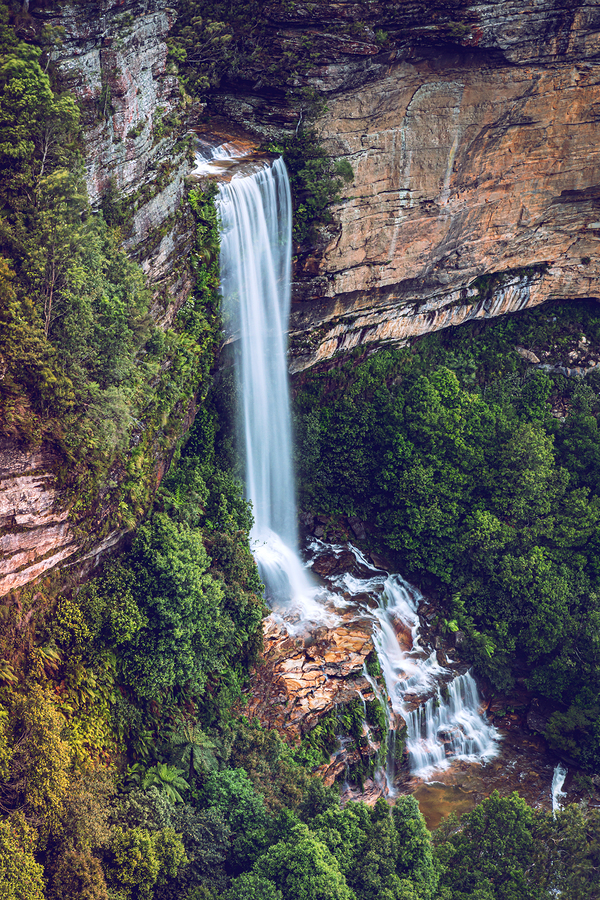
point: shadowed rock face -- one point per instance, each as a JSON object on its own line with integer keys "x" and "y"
{"x": 113, "y": 59}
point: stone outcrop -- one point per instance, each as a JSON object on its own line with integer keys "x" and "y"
{"x": 113, "y": 58}
{"x": 302, "y": 677}
{"x": 35, "y": 535}
{"x": 475, "y": 194}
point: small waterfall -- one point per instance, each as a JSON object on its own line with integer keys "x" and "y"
{"x": 256, "y": 223}
{"x": 449, "y": 724}
{"x": 449, "y": 728}
{"x": 558, "y": 780}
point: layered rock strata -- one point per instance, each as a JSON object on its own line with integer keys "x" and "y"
{"x": 301, "y": 678}
{"x": 476, "y": 194}
{"x": 113, "y": 59}
{"x": 470, "y": 128}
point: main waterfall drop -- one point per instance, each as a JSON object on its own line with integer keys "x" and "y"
{"x": 256, "y": 235}
{"x": 441, "y": 711}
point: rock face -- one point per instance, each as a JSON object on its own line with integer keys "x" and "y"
{"x": 34, "y": 532}
{"x": 113, "y": 58}
{"x": 300, "y": 679}
{"x": 475, "y": 195}
{"x": 470, "y": 127}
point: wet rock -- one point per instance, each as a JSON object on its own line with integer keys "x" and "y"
{"x": 427, "y": 612}
{"x": 529, "y": 355}
{"x": 329, "y": 563}
{"x": 324, "y": 670}
{"x": 307, "y": 520}
{"x": 358, "y": 528}
{"x": 536, "y": 720}
{"x": 379, "y": 562}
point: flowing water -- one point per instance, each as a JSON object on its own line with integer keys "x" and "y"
{"x": 256, "y": 225}
{"x": 558, "y": 780}
{"x": 448, "y": 725}
{"x": 441, "y": 712}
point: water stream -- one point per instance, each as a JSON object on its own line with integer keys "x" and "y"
{"x": 441, "y": 712}
{"x": 256, "y": 220}
{"x": 558, "y": 780}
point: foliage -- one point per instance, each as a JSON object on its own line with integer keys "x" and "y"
{"x": 142, "y": 860}
{"x": 193, "y": 750}
{"x": 79, "y": 874}
{"x": 21, "y": 877}
{"x": 40, "y": 759}
{"x": 303, "y": 868}
{"x": 169, "y": 779}
{"x": 490, "y": 855}
{"x": 315, "y": 178}
{"x": 382, "y": 852}
{"x": 480, "y": 493}
{"x": 205, "y": 835}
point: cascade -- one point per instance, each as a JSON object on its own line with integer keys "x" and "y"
{"x": 558, "y": 780}
{"x": 255, "y": 215}
{"x": 448, "y": 725}
{"x": 256, "y": 223}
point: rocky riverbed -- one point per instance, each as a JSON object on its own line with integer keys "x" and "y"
{"x": 310, "y": 668}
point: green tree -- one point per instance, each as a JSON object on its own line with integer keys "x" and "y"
{"x": 488, "y": 855}
{"x": 21, "y": 877}
{"x": 187, "y": 631}
{"x": 142, "y": 860}
{"x": 303, "y": 868}
{"x": 168, "y": 779}
{"x": 193, "y": 750}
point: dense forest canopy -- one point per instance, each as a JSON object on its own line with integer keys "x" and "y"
{"x": 452, "y": 450}
{"x": 127, "y": 768}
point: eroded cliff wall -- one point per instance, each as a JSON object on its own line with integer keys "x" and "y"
{"x": 476, "y": 193}
{"x": 471, "y": 129}
{"x": 113, "y": 59}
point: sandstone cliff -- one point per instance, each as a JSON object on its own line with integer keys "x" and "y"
{"x": 113, "y": 58}
{"x": 471, "y": 131}
{"x": 470, "y": 128}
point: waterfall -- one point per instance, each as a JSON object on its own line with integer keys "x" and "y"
{"x": 449, "y": 724}
{"x": 558, "y": 779}
{"x": 255, "y": 215}
{"x": 256, "y": 226}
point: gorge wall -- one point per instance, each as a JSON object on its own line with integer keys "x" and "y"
{"x": 470, "y": 128}
{"x": 113, "y": 59}
{"x": 476, "y": 194}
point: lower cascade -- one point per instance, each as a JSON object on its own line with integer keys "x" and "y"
{"x": 441, "y": 712}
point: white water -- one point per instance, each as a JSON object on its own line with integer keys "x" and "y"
{"x": 212, "y": 158}
{"x": 449, "y": 724}
{"x": 256, "y": 224}
{"x": 255, "y": 214}
{"x": 558, "y": 779}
